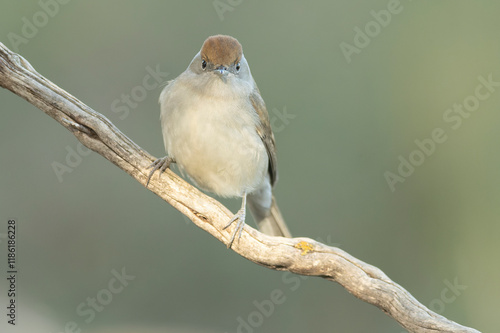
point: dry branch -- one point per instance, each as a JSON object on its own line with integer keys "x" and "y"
{"x": 298, "y": 255}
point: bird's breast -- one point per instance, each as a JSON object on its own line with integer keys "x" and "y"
{"x": 214, "y": 140}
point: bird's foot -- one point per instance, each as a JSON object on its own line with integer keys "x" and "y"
{"x": 240, "y": 216}
{"x": 161, "y": 164}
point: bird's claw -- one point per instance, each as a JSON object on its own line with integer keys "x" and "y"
{"x": 161, "y": 164}
{"x": 240, "y": 216}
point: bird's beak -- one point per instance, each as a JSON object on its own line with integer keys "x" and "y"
{"x": 221, "y": 70}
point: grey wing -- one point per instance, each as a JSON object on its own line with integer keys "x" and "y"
{"x": 266, "y": 134}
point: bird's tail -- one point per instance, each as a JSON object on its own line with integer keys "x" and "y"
{"x": 268, "y": 218}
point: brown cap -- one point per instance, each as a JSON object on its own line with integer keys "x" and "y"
{"x": 221, "y": 50}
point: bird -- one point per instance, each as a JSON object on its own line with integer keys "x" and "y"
{"x": 216, "y": 128}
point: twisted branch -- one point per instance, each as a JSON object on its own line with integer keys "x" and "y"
{"x": 298, "y": 255}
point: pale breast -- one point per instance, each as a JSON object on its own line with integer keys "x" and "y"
{"x": 214, "y": 141}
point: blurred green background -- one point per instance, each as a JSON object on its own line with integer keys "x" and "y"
{"x": 351, "y": 118}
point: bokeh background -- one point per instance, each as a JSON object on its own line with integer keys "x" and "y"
{"x": 350, "y": 118}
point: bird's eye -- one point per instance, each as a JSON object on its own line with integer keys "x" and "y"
{"x": 238, "y": 66}
{"x": 203, "y": 64}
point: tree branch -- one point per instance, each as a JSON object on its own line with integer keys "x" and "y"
{"x": 298, "y": 255}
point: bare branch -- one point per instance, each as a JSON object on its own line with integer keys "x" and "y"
{"x": 298, "y": 255}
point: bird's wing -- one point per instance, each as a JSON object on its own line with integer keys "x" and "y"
{"x": 265, "y": 132}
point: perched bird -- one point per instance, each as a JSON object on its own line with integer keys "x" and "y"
{"x": 216, "y": 128}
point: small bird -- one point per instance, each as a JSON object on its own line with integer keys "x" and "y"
{"x": 216, "y": 128}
